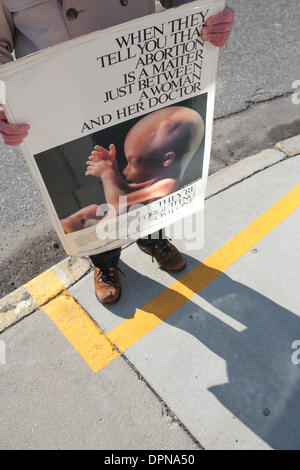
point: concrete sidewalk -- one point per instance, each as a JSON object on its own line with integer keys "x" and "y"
{"x": 203, "y": 358}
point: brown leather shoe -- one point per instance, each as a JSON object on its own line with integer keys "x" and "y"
{"x": 166, "y": 254}
{"x": 107, "y": 285}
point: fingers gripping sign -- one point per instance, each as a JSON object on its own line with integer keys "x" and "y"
{"x": 218, "y": 28}
{"x": 12, "y": 134}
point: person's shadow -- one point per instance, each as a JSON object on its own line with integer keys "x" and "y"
{"x": 263, "y": 389}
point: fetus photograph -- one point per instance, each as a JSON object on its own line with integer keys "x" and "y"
{"x": 135, "y": 162}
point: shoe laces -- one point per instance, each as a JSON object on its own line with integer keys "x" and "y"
{"x": 163, "y": 246}
{"x": 107, "y": 275}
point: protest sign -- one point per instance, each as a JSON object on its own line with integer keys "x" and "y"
{"x": 121, "y": 125}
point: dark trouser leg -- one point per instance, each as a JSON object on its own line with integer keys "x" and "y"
{"x": 111, "y": 258}
{"x": 107, "y": 259}
{"x": 148, "y": 241}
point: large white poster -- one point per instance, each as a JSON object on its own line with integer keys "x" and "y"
{"x": 121, "y": 126}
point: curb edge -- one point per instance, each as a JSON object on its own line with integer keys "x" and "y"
{"x": 20, "y": 303}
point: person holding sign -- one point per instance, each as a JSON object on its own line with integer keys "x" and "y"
{"x": 27, "y": 26}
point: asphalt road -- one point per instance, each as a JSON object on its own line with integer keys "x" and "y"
{"x": 260, "y": 63}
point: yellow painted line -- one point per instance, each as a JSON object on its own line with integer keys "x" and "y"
{"x": 48, "y": 291}
{"x": 81, "y": 331}
{"x": 177, "y": 294}
{"x": 44, "y": 287}
{"x": 94, "y": 345}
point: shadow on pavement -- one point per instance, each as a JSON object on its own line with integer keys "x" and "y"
{"x": 263, "y": 389}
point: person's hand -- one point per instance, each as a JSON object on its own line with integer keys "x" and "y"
{"x": 12, "y": 134}
{"x": 217, "y": 28}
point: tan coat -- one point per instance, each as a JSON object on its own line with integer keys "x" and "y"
{"x": 27, "y": 26}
